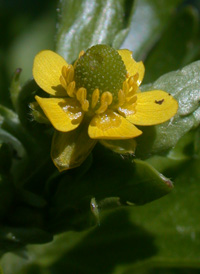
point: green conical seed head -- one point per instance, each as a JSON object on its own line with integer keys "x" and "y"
{"x": 100, "y": 67}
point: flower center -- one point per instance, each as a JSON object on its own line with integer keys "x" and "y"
{"x": 99, "y": 80}
{"x": 100, "y": 67}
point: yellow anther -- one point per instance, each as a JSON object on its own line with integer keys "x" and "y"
{"x": 136, "y": 77}
{"x": 107, "y": 97}
{"x": 71, "y": 89}
{"x": 95, "y": 97}
{"x": 125, "y": 87}
{"x": 81, "y": 95}
{"x": 103, "y": 107}
{"x": 106, "y": 100}
{"x": 132, "y": 100}
{"x": 121, "y": 97}
{"x": 133, "y": 86}
{"x": 85, "y": 105}
{"x": 70, "y": 74}
{"x": 81, "y": 53}
{"x": 63, "y": 82}
{"x": 64, "y": 71}
{"x": 132, "y": 92}
{"x": 128, "y": 108}
{"x": 131, "y": 81}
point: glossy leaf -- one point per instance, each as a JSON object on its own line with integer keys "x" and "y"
{"x": 7, "y": 138}
{"x": 162, "y": 237}
{"x": 9, "y": 122}
{"x": 172, "y": 51}
{"x": 149, "y": 20}
{"x": 184, "y": 85}
{"x": 84, "y": 23}
{"x": 176, "y": 218}
{"x": 11, "y": 131}
{"x": 110, "y": 175}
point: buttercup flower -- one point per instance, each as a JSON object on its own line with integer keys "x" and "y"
{"x": 96, "y": 98}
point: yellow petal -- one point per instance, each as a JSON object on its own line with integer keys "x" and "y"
{"x": 132, "y": 66}
{"x": 153, "y": 107}
{"x": 64, "y": 113}
{"x": 111, "y": 125}
{"x": 47, "y": 68}
{"x": 70, "y": 149}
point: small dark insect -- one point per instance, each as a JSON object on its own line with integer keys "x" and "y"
{"x": 159, "y": 102}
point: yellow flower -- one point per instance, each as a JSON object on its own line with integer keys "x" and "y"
{"x": 96, "y": 98}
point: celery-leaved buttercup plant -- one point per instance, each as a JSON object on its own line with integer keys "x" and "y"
{"x": 96, "y": 98}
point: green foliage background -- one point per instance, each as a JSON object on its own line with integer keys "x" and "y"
{"x": 104, "y": 216}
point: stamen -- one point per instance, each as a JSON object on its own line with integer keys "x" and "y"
{"x": 85, "y": 105}
{"x": 121, "y": 97}
{"x": 64, "y": 71}
{"x": 107, "y": 97}
{"x": 125, "y": 87}
{"x": 133, "y": 86}
{"x": 106, "y": 100}
{"x": 95, "y": 97}
{"x": 71, "y": 89}
{"x": 132, "y": 100}
{"x": 128, "y": 108}
{"x": 81, "y": 53}
{"x": 70, "y": 74}
{"x": 81, "y": 95}
{"x": 133, "y": 91}
{"x": 136, "y": 77}
{"x": 131, "y": 81}
{"x": 63, "y": 82}
{"x": 103, "y": 107}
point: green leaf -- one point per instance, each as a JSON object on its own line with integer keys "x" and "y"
{"x": 174, "y": 223}
{"x": 185, "y": 148}
{"x": 6, "y": 195}
{"x": 126, "y": 181}
{"x": 15, "y": 87}
{"x": 177, "y": 46}
{"x": 162, "y": 237}
{"x": 149, "y": 20}
{"x": 30, "y": 199}
{"x": 184, "y": 85}
{"x": 9, "y": 139}
{"x": 13, "y": 238}
{"x": 37, "y": 37}
{"x": 84, "y": 23}
{"x": 9, "y": 121}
